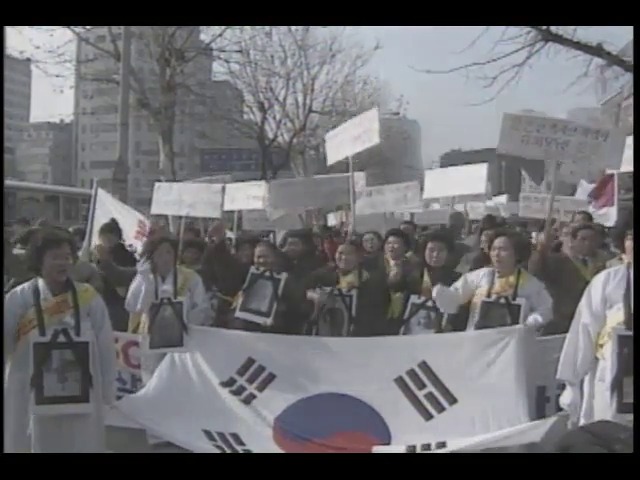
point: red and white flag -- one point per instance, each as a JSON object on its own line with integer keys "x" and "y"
{"x": 602, "y": 200}
{"x": 104, "y": 207}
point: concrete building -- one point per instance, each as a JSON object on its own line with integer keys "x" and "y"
{"x": 398, "y": 157}
{"x": 96, "y": 110}
{"x": 45, "y": 153}
{"x": 17, "y": 105}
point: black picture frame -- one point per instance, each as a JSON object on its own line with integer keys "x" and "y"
{"x": 422, "y": 317}
{"x": 498, "y": 313}
{"x": 337, "y": 312}
{"x": 260, "y": 296}
{"x": 61, "y": 378}
{"x": 166, "y": 332}
{"x": 623, "y": 378}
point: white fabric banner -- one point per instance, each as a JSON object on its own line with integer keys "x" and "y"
{"x": 239, "y": 392}
{"x": 433, "y": 216}
{"x": 105, "y": 206}
{"x": 181, "y": 199}
{"x": 534, "y": 205}
{"x": 353, "y": 136}
{"x": 259, "y": 221}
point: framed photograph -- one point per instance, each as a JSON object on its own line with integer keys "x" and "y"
{"x": 421, "y": 317}
{"x": 622, "y": 387}
{"x": 500, "y": 312}
{"x": 336, "y": 312}
{"x": 260, "y": 295}
{"x": 166, "y": 332}
{"x": 61, "y": 376}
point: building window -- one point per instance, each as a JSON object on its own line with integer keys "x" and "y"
{"x": 83, "y": 147}
{"x": 82, "y": 182}
{"x": 83, "y": 129}
{"x": 102, "y": 165}
{"x": 181, "y": 167}
{"x": 136, "y": 163}
{"x": 136, "y": 182}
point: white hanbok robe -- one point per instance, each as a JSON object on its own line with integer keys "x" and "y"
{"x": 586, "y": 356}
{"x": 77, "y": 433}
{"x": 141, "y": 295}
{"x": 473, "y": 286}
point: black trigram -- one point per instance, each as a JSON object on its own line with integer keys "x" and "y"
{"x": 425, "y": 447}
{"x": 226, "y": 442}
{"x": 543, "y": 400}
{"x": 421, "y": 388}
{"x": 250, "y": 380}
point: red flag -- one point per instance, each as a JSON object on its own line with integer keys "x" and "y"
{"x": 603, "y": 194}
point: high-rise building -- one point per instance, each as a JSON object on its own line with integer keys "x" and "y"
{"x": 44, "y": 155}
{"x": 17, "y": 106}
{"x": 96, "y": 110}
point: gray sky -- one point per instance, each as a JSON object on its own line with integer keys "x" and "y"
{"x": 441, "y": 103}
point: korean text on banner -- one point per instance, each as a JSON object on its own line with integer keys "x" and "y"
{"x": 353, "y": 136}
{"x": 245, "y": 196}
{"x": 134, "y": 225}
{"x": 321, "y": 191}
{"x": 534, "y": 205}
{"x": 179, "y": 199}
{"x": 464, "y": 182}
{"x": 236, "y": 392}
{"x": 398, "y": 197}
{"x": 128, "y": 375}
{"x": 546, "y": 138}
{"x": 259, "y": 221}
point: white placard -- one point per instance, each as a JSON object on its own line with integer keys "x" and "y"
{"x": 546, "y": 138}
{"x": 464, "y": 182}
{"x": 398, "y": 197}
{"x": 353, "y": 136}
{"x": 433, "y": 216}
{"x": 477, "y": 210}
{"x": 237, "y": 392}
{"x": 321, "y": 191}
{"x": 180, "y": 199}
{"x": 535, "y": 205}
{"x": 259, "y": 221}
{"x": 245, "y": 196}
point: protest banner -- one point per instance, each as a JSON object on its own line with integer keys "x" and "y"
{"x": 353, "y": 136}
{"x": 534, "y": 205}
{"x": 260, "y": 221}
{"x": 182, "y": 199}
{"x": 245, "y": 196}
{"x": 398, "y": 197}
{"x": 433, "y": 216}
{"x": 104, "y": 207}
{"x": 128, "y": 376}
{"x": 462, "y": 183}
{"x": 236, "y": 392}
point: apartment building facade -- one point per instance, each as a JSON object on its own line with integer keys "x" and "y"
{"x": 17, "y": 106}
{"x": 45, "y": 153}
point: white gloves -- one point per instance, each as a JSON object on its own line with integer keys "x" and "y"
{"x": 571, "y": 402}
{"x": 447, "y": 300}
{"x": 534, "y": 320}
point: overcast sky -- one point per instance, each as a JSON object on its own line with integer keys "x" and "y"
{"x": 441, "y": 103}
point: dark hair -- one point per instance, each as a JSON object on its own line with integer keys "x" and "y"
{"x": 246, "y": 240}
{"x": 582, "y": 213}
{"x": 375, "y": 234}
{"x": 623, "y": 228}
{"x": 306, "y": 239}
{"x": 152, "y": 244}
{"x": 575, "y": 231}
{"x": 396, "y": 232}
{"x": 354, "y": 242}
{"x": 269, "y": 245}
{"x": 442, "y": 236}
{"x": 488, "y": 222}
{"x": 25, "y": 237}
{"x": 193, "y": 230}
{"x": 410, "y": 223}
{"x": 44, "y": 240}
{"x": 78, "y": 231}
{"x": 520, "y": 244}
{"x": 195, "y": 244}
{"x": 112, "y": 227}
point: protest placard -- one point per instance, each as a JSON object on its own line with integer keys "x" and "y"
{"x": 398, "y": 197}
{"x": 245, "y": 196}
{"x": 353, "y": 136}
{"x": 181, "y": 199}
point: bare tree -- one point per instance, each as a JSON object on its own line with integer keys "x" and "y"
{"x": 173, "y": 63}
{"x": 516, "y": 48}
{"x": 293, "y": 80}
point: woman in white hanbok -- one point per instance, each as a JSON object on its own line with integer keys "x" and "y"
{"x": 163, "y": 279}
{"x": 50, "y": 256}
{"x": 504, "y": 279}
{"x": 587, "y": 363}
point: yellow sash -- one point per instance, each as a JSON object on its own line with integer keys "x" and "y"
{"x": 502, "y": 287}
{"x": 614, "y": 319}
{"x": 396, "y": 304}
{"x": 588, "y": 272}
{"x": 139, "y": 321}
{"x": 55, "y": 310}
{"x": 427, "y": 286}
{"x": 351, "y": 280}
